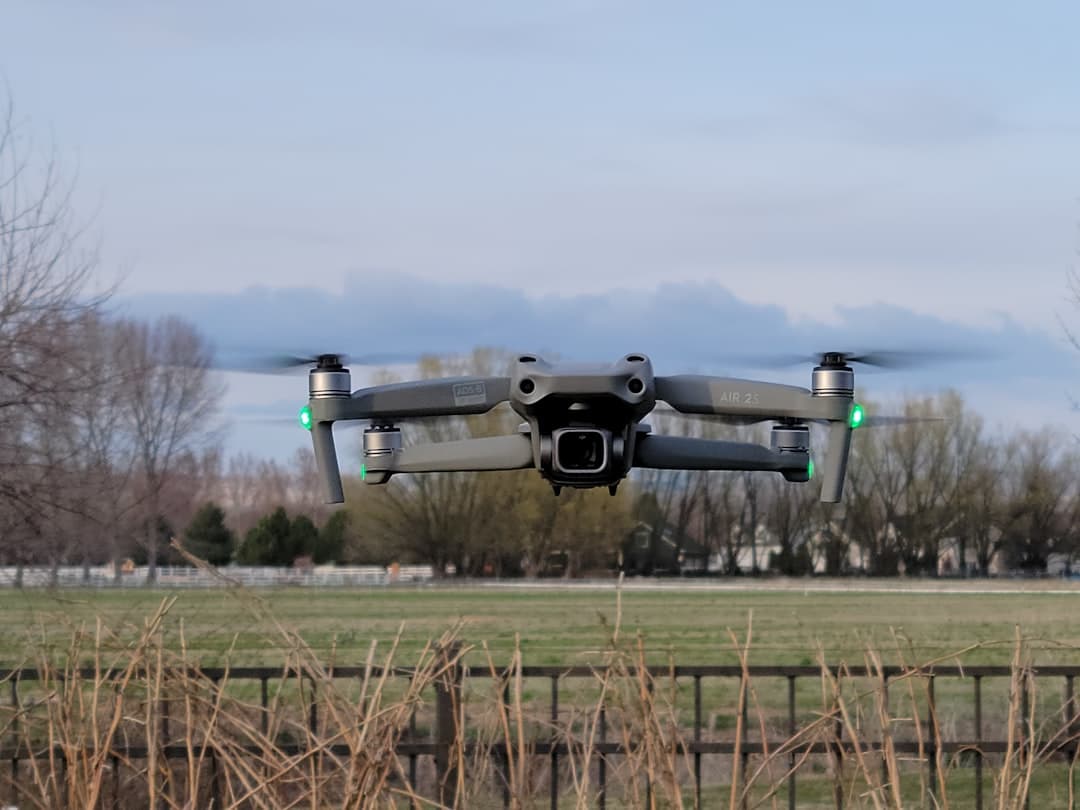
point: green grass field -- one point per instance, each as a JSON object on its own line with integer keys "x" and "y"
{"x": 567, "y": 626}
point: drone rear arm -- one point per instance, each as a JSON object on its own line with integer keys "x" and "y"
{"x": 491, "y": 453}
{"x": 686, "y": 453}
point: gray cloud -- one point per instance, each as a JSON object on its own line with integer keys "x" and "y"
{"x": 684, "y": 327}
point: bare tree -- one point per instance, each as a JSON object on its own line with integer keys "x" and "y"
{"x": 937, "y": 460}
{"x": 833, "y": 533}
{"x": 45, "y": 276}
{"x": 667, "y": 501}
{"x": 1042, "y": 492}
{"x": 908, "y": 482}
{"x": 789, "y": 515}
{"x": 171, "y": 399}
{"x": 722, "y": 515}
{"x": 249, "y": 488}
{"x": 102, "y": 449}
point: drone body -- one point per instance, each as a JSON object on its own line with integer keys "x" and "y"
{"x": 583, "y": 423}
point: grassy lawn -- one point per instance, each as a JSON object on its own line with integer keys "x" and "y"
{"x": 567, "y": 626}
{"x": 573, "y": 626}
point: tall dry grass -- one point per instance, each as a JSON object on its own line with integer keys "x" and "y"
{"x": 128, "y": 719}
{"x": 143, "y": 726}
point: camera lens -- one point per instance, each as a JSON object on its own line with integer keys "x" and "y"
{"x": 581, "y": 450}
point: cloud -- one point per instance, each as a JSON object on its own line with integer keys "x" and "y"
{"x": 683, "y": 326}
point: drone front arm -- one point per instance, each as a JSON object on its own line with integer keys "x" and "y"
{"x": 836, "y": 458}
{"x": 490, "y": 453}
{"x": 750, "y": 399}
{"x": 686, "y": 453}
{"x": 450, "y": 396}
{"x": 322, "y": 437}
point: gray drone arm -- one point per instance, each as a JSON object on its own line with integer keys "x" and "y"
{"x": 686, "y": 453}
{"x": 491, "y": 453}
{"x": 724, "y": 396}
{"x": 453, "y": 396}
{"x": 836, "y": 458}
{"x": 752, "y": 400}
{"x": 322, "y": 436}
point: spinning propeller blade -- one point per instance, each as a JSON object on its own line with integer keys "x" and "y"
{"x": 894, "y": 421}
{"x": 281, "y": 363}
{"x": 895, "y": 359}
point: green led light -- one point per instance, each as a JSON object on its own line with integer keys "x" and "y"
{"x": 855, "y": 418}
{"x": 305, "y": 418}
{"x": 810, "y": 469}
{"x": 363, "y": 472}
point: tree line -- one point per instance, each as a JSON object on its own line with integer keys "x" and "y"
{"x": 941, "y": 494}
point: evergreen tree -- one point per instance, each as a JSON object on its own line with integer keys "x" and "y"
{"x": 330, "y": 545}
{"x": 269, "y": 542}
{"x": 207, "y": 536}
{"x": 303, "y": 537}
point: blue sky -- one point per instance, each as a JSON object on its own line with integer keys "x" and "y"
{"x": 845, "y": 170}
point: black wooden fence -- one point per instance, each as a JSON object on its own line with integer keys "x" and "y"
{"x": 438, "y": 744}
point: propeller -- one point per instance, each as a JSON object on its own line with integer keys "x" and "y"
{"x": 281, "y": 363}
{"x": 294, "y": 422}
{"x": 889, "y": 358}
{"x": 878, "y": 358}
{"x": 893, "y": 421}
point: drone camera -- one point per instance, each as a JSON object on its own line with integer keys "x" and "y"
{"x": 581, "y": 451}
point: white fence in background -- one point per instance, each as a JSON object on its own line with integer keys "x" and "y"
{"x": 321, "y": 576}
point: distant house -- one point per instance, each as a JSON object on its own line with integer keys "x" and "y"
{"x": 648, "y": 551}
{"x": 949, "y": 561}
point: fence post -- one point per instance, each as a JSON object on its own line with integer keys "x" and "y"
{"x": 555, "y": 742}
{"x": 933, "y": 730}
{"x": 16, "y": 709}
{"x": 1026, "y": 685}
{"x": 447, "y": 703}
{"x": 978, "y": 744}
{"x": 838, "y": 745}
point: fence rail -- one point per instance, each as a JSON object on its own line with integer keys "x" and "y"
{"x": 180, "y": 576}
{"x": 447, "y": 736}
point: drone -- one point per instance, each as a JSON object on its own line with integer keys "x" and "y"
{"x": 583, "y": 423}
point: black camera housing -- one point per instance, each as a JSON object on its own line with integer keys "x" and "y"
{"x": 580, "y": 451}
